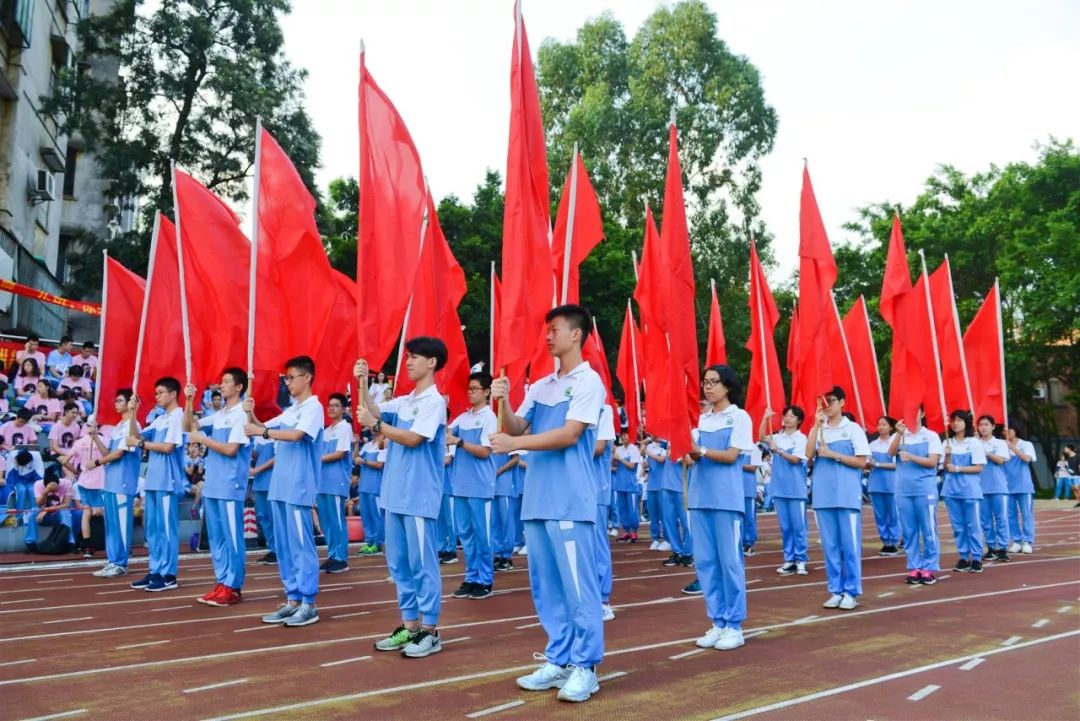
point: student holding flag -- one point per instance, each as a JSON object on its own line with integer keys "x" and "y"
{"x": 372, "y": 462}
{"x": 415, "y": 426}
{"x": 557, "y": 423}
{"x": 1021, "y": 491}
{"x": 121, "y": 484}
{"x": 917, "y": 454}
{"x": 964, "y": 461}
{"x": 334, "y": 478}
{"x": 993, "y": 509}
{"x": 788, "y": 486}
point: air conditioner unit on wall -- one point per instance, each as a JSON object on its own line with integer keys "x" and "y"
{"x": 44, "y": 189}
{"x": 1039, "y": 392}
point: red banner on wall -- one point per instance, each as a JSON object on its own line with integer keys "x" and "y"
{"x": 10, "y": 286}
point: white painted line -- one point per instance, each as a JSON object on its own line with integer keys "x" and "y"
{"x": 753, "y": 580}
{"x": 687, "y": 654}
{"x": 635, "y": 553}
{"x": 122, "y": 590}
{"x": 16, "y": 663}
{"x": 21, "y": 600}
{"x": 528, "y": 625}
{"x": 342, "y": 661}
{"x": 223, "y": 684}
{"x": 883, "y": 679}
{"x": 144, "y": 643}
{"x": 923, "y": 693}
{"x": 457, "y": 640}
{"x": 350, "y": 615}
{"x": 65, "y": 714}
{"x": 172, "y": 608}
{"x": 68, "y": 620}
{"x": 1064, "y": 609}
{"x": 972, "y": 664}
{"x": 886, "y": 594}
{"x": 752, "y": 634}
{"x": 1040, "y": 623}
{"x": 58, "y": 580}
{"x": 1011, "y": 640}
{"x": 610, "y": 676}
{"x": 258, "y": 628}
{"x": 494, "y": 709}
{"x": 805, "y": 619}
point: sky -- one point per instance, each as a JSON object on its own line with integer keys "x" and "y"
{"x": 874, "y": 95}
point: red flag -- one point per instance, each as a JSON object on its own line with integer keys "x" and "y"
{"x": 439, "y": 288}
{"x": 663, "y": 406}
{"x": 792, "y": 362}
{"x": 864, "y": 362}
{"x": 593, "y": 352}
{"x": 984, "y": 345}
{"x": 954, "y": 375}
{"x": 817, "y": 276}
{"x": 716, "y": 350}
{"x": 121, "y": 307}
{"x": 333, "y": 355}
{"x": 159, "y": 359}
{"x": 680, "y": 319}
{"x": 392, "y": 193}
{"x": 578, "y": 198}
{"x": 897, "y": 280}
{"x": 517, "y": 387}
{"x": 921, "y": 343}
{"x": 628, "y": 370}
{"x": 295, "y": 290}
{"x": 843, "y": 371}
{"x": 215, "y": 258}
{"x": 765, "y": 388}
{"x": 906, "y": 383}
{"x": 527, "y": 274}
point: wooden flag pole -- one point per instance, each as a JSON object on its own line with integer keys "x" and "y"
{"x": 183, "y": 285}
{"x": 253, "y": 267}
{"x": 104, "y": 320}
{"x": 569, "y": 240}
{"x": 1001, "y": 355}
{"x": 933, "y": 340}
{"x": 146, "y": 302}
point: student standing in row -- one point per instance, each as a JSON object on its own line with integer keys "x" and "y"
{"x": 121, "y": 464}
{"x": 917, "y": 454}
{"x": 751, "y": 462}
{"x": 627, "y": 459}
{"x": 673, "y": 513}
{"x": 993, "y": 510}
{"x": 882, "y": 487}
{"x": 655, "y": 456}
{"x": 839, "y": 450}
{"x": 1021, "y": 491}
{"x": 502, "y": 527}
{"x": 261, "y": 470}
{"x": 605, "y": 439}
{"x": 334, "y": 478}
{"x": 964, "y": 461}
{"x": 372, "y": 462}
{"x": 447, "y": 534}
{"x": 518, "y": 491}
{"x": 788, "y": 486}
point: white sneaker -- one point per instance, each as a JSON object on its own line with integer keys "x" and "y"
{"x": 664, "y": 546}
{"x": 1014, "y": 547}
{"x": 833, "y": 602}
{"x": 800, "y": 568}
{"x": 515, "y": 551}
{"x": 1025, "y": 547}
{"x": 608, "y": 611}
{"x": 104, "y": 570}
{"x": 848, "y": 602}
{"x": 580, "y": 686}
{"x": 654, "y": 546}
{"x": 547, "y": 676}
{"x": 710, "y": 638}
{"x": 730, "y": 638}
{"x": 613, "y": 532}
{"x": 523, "y": 551}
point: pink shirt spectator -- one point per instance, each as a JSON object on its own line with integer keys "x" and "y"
{"x": 83, "y": 451}
{"x": 49, "y": 408}
{"x": 65, "y": 436}
{"x": 83, "y": 384}
{"x": 13, "y": 435}
{"x": 89, "y": 365}
{"x": 38, "y": 356}
{"x": 4, "y": 408}
{"x": 20, "y": 383}
{"x": 64, "y": 489}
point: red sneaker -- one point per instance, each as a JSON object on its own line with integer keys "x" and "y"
{"x": 624, "y": 537}
{"x": 913, "y": 578}
{"x": 227, "y": 597}
{"x": 206, "y": 597}
{"x": 633, "y": 538}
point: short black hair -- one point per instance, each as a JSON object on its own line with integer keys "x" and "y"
{"x": 23, "y": 458}
{"x": 89, "y": 345}
{"x": 33, "y": 337}
{"x": 70, "y": 406}
{"x": 796, "y": 411}
{"x": 339, "y": 397}
{"x": 483, "y": 378}
{"x": 731, "y": 381}
{"x": 24, "y": 413}
{"x": 75, "y": 371}
{"x": 836, "y": 392}
{"x": 575, "y": 315}
{"x": 239, "y": 377}
{"x": 68, "y": 395}
{"x": 65, "y": 339}
{"x": 428, "y": 347}
{"x": 965, "y": 416}
{"x": 302, "y": 363}
{"x": 125, "y": 393}
{"x": 168, "y": 383}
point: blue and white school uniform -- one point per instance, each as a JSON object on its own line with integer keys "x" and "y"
{"x": 412, "y": 496}
{"x": 882, "y": 489}
{"x": 121, "y": 485}
{"x": 993, "y": 510}
{"x": 716, "y": 515}
{"x": 916, "y": 501}
{"x": 446, "y": 540}
{"x": 788, "y": 490}
{"x": 294, "y": 483}
{"x": 653, "y": 483}
{"x": 605, "y": 433}
{"x": 626, "y": 486}
{"x": 837, "y": 493}
{"x": 962, "y": 494}
{"x": 335, "y": 478}
{"x": 472, "y": 481}
{"x": 1021, "y": 494}
{"x": 165, "y": 481}
{"x": 263, "y": 451}
{"x": 749, "y": 479}
{"x": 559, "y": 511}
{"x": 676, "y": 526}
{"x": 517, "y": 490}
{"x": 502, "y": 540}
{"x": 371, "y": 512}
{"x": 22, "y": 479}
{"x": 223, "y": 494}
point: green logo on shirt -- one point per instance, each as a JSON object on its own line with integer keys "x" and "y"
{"x": 569, "y": 393}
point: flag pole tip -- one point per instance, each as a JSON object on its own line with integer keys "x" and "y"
{"x": 361, "y": 46}
{"x": 671, "y": 115}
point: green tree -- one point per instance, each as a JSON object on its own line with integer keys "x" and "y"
{"x": 193, "y": 77}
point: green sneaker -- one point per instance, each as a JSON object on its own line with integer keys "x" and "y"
{"x": 396, "y": 640}
{"x": 370, "y": 550}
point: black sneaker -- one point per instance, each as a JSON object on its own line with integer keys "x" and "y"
{"x": 464, "y": 590}
{"x": 788, "y": 569}
{"x": 325, "y": 564}
{"x": 962, "y": 566}
{"x": 268, "y": 560}
{"x": 889, "y": 551}
{"x": 672, "y": 560}
{"x": 448, "y": 558}
{"x": 884, "y": 551}
{"x": 480, "y": 590}
{"x": 1002, "y": 556}
{"x": 927, "y": 578}
{"x": 337, "y": 567}
{"x": 504, "y": 564}
{"x": 694, "y": 589}
{"x": 143, "y": 582}
{"x": 989, "y": 555}
{"x": 976, "y": 566}
{"x": 686, "y": 561}
{"x": 320, "y": 540}
{"x": 31, "y": 547}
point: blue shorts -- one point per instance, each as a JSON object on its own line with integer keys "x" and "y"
{"x": 93, "y": 497}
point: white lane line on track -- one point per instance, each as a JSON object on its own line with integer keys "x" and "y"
{"x": 687, "y": 654}
{"x": 64, "y": 714}
{"x": 20, "y": 661}
{"x": 144, "y": 643}
{"x": 1040, "y": 623}
{"x": 494, "y": 709}
{"x": 68, "y": 620}
{"x": 1011, "y": 640}
{"x": 923, "y": 692}
{"x": 223, "y": 684}
{"x": 328, "y": 664}
{"x": 972, "y": 664}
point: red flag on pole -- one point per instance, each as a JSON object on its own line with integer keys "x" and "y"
{"x": 593, "y": 352}
{"x": 392, "y": 193}
{"x": 333, "y": 354}
{"x": 765, "y": 388}
{"x": 528, "y": 279}
{"x": 954, "y": 374}
{"x": 628, "y": 370}
{"x": 864, "y": 362}
{"x": 517, "y": 387}
{"x": 295, "y": 291}
{"x": 984, "y": 345}
{"x": 922, "y": 342}
{"x": 843, "y": 372}
{"x": 906, "y": 383}
{"x": 122, "y": 295}
{"x": 716, "y": 349}
{"x": 578, "y": 223}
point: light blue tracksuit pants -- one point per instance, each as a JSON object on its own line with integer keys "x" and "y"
{"x": 791, "y": 513}
{"x": 225, "y": 530}
{"x": 265, "y": 517}
{"x": 374, "y": 519}
{"x": 446, "y": 534}
{"x": 472, "y": 518}
{"x": 502, "y": 527}
{"x": 332, "y": 519}
{"x": 628, "y": 511}
{"x": 749, "y": 522}
{"x": 298, "y": 561}
{"x": 1021, "y": 517}
{"x": 718, "y": 560}
{"x": 119, "y": 526}
{"x": 918, "y": 519}
{"x": 657, "y": 527}
{"x": 886, "y": 517}
{"x": 413, "y": 560}
{"x": 993, "y": 514}
{"x": 161, "y": 518}
{"x": 967, "y": 531}
{"x": 676, "y": 528}
{"x": 603, "y": 553}
{"x": 841, "y": 544}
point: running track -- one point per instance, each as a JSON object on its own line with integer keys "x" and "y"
{"x": 1001, "y": 645}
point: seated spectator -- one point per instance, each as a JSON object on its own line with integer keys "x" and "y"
{"x": 88, "y": 361}
{"x": 28, "y": 373}
{"x": 58, "y": 361}
{"x": 76, "y": 380}
{"x": 19, "y": 432}
{"x": 90, "y": 482}
{"x": 85, "y": 406}
{"x": 20, "y": 477}
{"x": 5, "y": 406}
{"x": 30, "y": 350}
{"x": 195, "y": 468}
{"x": 53, "y": 498}
{"x": 45, "y": 406}
{"x": 64, "y": 433}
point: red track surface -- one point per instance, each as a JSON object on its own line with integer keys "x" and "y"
{"x": 73, "y": 643}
